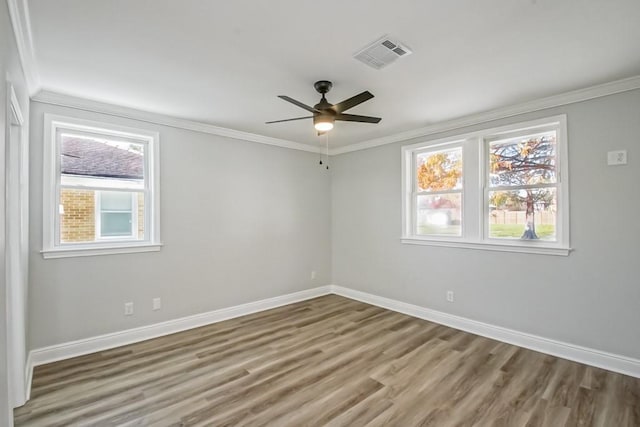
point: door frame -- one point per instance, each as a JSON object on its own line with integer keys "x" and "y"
{"x": 16, "y": 246}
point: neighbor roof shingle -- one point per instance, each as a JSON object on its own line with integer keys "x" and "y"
{"x": 87, "y": 157}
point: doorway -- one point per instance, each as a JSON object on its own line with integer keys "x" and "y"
{"x": 16, "y": 254}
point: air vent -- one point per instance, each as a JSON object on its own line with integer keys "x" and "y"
{"x": 382, "y": 52}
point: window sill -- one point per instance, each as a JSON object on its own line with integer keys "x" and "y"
{"x": 99, "y": 249}
{"x": 487, "y": 246}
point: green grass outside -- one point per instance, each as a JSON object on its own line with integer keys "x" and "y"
{"x": 514, "y": 231}
{"x": 544, "y": 231}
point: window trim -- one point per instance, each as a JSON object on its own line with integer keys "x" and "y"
{"x": 51, "y": 247}
{"x": 475, "y": 186}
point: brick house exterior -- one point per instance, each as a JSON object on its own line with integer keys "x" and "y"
{"x": 78, "y": 222}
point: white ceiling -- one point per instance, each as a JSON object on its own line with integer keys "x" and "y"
{"x": 224, "y": 63}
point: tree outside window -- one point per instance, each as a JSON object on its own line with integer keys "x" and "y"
{"x": 522, "y": 182}
{"x": 438, "y": 195}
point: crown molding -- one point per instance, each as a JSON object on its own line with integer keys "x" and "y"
{"x": 19, "y": 13}
{"x": 574, "y": 96}
{"x": 55, "y": 98}
{"x": 611, "y": 88}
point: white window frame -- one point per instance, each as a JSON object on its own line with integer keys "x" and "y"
{"x": 475, "y": 215}
{"x": 98, "y": 218}
{"x": 52, "y": 247}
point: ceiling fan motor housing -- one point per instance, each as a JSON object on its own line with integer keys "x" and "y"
{"x": 323, "y": 86}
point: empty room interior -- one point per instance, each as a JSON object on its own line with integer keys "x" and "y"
{"x": 340, "y": 213}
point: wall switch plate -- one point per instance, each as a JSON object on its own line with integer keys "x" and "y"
{"x": 128, "y": 308}
{"x": 157, "y": 304}
{"x": 617, "y": 158}
{"x": 313, "y": 275}
{"x": 450, "y": 296}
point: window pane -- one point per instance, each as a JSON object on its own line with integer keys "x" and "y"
{"x": 520, "y": 161}
{"x": 97, "y": 157}
{"x": 439, "y": 214}
{"x": 523, "y": 214}
{"x": 115, "y": 201}
{"x": 439, "y": 170}
{"x": 116, "y": 216}
{"x": 115, "y": 224}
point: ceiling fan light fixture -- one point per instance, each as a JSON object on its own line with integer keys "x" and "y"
{"x": 325, "y": 114}
{"x": 323, "y": 123}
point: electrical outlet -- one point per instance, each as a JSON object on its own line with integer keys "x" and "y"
{"x": 157, "y": 304}
{"x": 313, "y": 275}
{"x": 617, "y": 158}
{"x": 450, "y": 296}
{"x": 128, "y": 308}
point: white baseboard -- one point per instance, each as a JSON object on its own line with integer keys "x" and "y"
{"x": 81, "y": 347}
{"x": 588, "y": 356}
{"x": 28, "y": 375}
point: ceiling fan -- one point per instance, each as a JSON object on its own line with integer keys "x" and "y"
{"x": 325, "y": 113}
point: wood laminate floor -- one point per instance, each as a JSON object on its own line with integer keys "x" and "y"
{"x": 327, "y": 361}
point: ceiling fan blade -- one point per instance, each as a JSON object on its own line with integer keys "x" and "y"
{"x": 352, "y": 102}
{"x": 288, "y": 120}
{"x": 356, "y": 118}
{"x": 298, "y": 103}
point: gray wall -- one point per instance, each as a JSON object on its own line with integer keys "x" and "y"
{"x": 240, "y": 222}
{"x": 11, "y": 71}
{"x": 589, "y": 298}
{"x": 261, "y": 224}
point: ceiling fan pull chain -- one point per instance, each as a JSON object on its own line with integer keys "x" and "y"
{"x": 327, "y": 150}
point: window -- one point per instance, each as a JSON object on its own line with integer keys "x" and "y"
{"x": 522, "y": 186}
{"x": 100, "y": 189}
{"x": 499, "y": 189}
{"x": 437, "y": 191}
